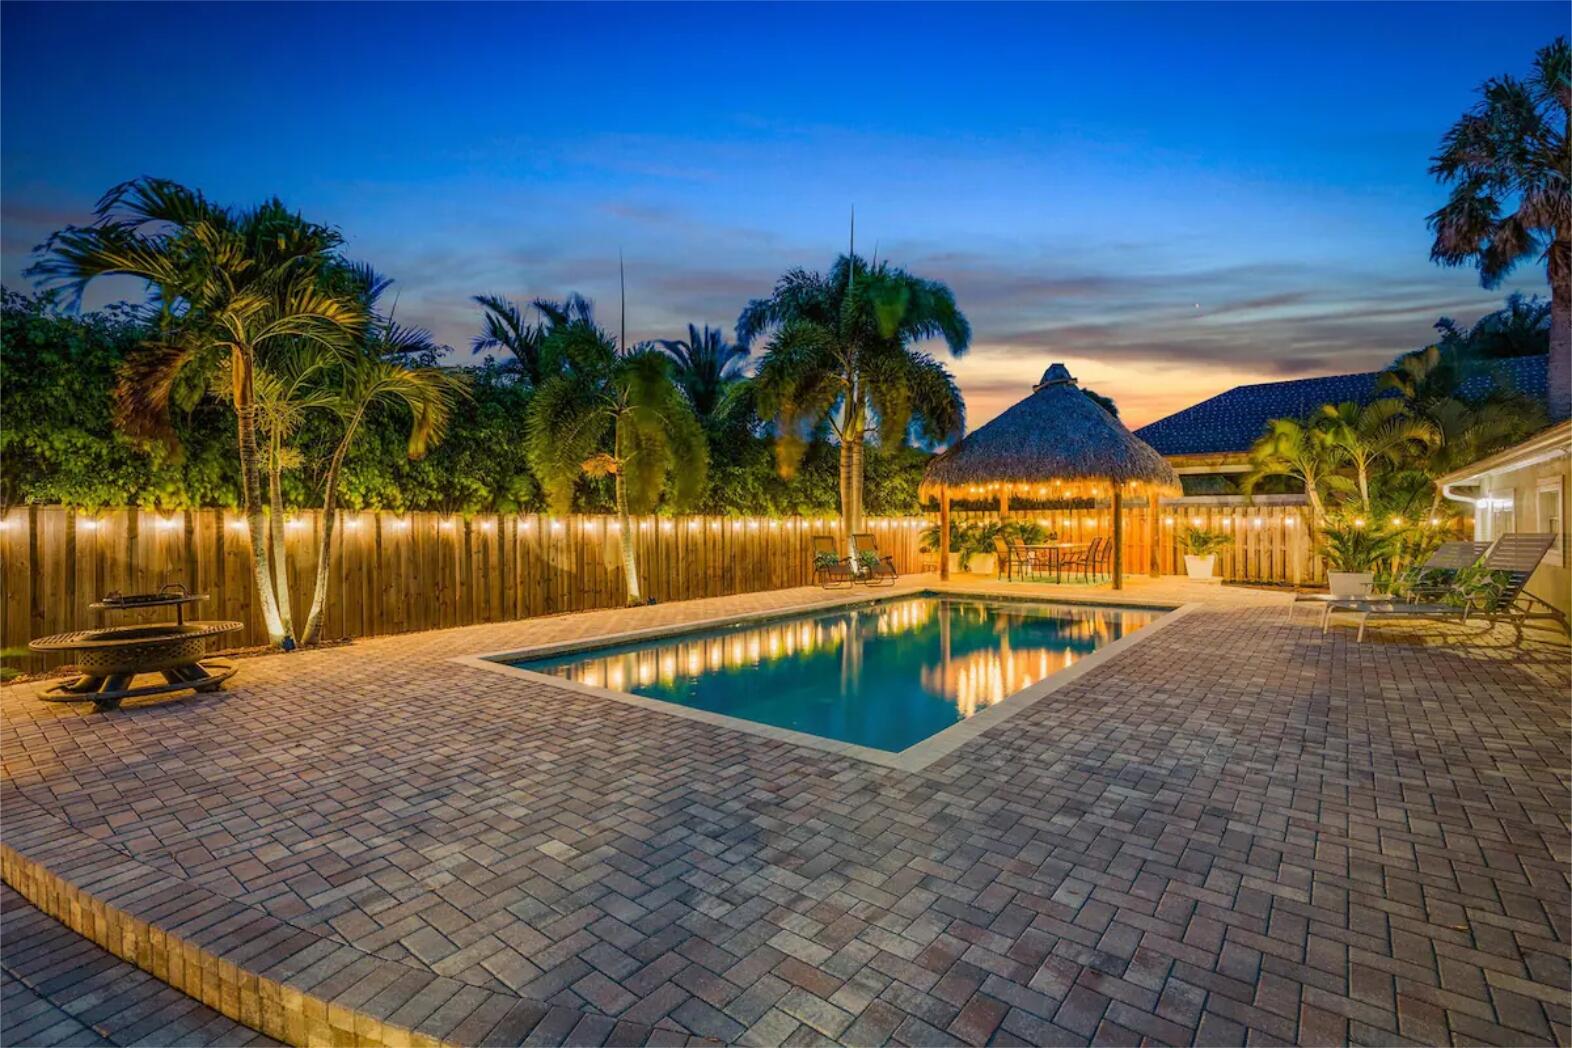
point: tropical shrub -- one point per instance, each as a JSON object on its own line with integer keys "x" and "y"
{"x": 1355, "y": 544}
{"x": 1199, "y": 542}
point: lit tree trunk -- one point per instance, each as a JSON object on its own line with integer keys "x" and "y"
{"x": 251, "y": 500}
{"x": 630, "y": 566}
{"x": 319, "y": 592}
{"x": 275, "y": 472}
{"x": 1559, "y": 367}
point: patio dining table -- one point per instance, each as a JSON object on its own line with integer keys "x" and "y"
{"x": 1056, "y": 553}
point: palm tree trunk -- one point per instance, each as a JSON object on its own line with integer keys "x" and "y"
{"x": 280, "y": 550}
{"x": 319, "y": 589}
{"x": 1559, "y": 367}
{"x": 251, "y": 500}
{"x": 630, "y": 566}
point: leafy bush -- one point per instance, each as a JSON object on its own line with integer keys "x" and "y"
{"x": 1199, "y": 542}
{"x": 1353, "y": 544}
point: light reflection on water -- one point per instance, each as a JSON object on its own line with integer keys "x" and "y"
{"x": 885, "y": 675}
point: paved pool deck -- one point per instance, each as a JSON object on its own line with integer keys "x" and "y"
{"x": 1237, "y": 831}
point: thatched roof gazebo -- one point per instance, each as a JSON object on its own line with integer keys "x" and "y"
{"x": 1058, "y": 443}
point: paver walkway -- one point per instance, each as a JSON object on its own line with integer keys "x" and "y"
{"x": 56, "y": 988}
{"x": 1236, "y": 830}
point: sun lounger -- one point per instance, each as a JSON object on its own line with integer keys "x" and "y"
{"x": 876, "y": 568}
{"x": 1430, "y": 580}
{"x": 830, "y": 567}
{"x": 1511, "y": 562}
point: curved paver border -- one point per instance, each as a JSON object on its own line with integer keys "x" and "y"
{"x": 294, "y": 985}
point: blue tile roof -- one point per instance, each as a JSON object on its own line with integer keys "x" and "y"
{"x": 1233, "y": 420}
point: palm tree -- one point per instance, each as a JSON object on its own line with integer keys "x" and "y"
{"x": 1507, "y": 160}
{"x": 1466, "y": 430}
{"x": 285, "y": 392}
{"x": 377, "y": 375}
{"x": 1299, "y": 451}
{"x": 1521, "y": 328}
{"x": 1368, "y": 436}
{"x": 617, "y": 413}
{"x": 225, "y": 285}
{"x": 504, "y": 326}
{"x": 706, "y": 366}
{"x": 841, "y": 351}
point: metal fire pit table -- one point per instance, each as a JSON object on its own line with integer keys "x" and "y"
{"x": 110, "y": 658}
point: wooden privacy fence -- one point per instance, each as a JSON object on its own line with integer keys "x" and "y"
{"x": 392, "y": 573}
{"x": 1271, "y": 543}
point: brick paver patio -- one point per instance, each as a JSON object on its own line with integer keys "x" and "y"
{"x": 1237, "y": 831}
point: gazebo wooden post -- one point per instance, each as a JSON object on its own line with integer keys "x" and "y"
{"x": 1154, "y": 567}
{"x": 1004, "y": 504}
{"x": 1118, "y": 539}
{"x": 944, "y": 533}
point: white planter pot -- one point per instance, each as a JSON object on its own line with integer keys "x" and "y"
{"x": 1200, "y": 567}
{"x": 983, "y": 564}
{"x": 1350, "y": 583}
{"x": 956, "y": 567}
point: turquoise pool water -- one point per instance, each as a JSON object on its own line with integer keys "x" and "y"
{"x": 885, "y": 674}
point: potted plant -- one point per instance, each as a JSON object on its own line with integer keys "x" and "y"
{"x": 928, "y": 542}
{"x": 977, "y": 549}
{"x": 1200, "y": 550}
{"x": 1353, "y": 549}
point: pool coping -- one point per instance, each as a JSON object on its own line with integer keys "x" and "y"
{"x": 914, "y": 758}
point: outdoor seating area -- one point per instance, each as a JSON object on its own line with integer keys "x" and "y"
{"x": 774, "y": 565}
{"x": 558, "y": 868}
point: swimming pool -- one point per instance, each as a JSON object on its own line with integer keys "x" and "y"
{"x": 877, "y": 675}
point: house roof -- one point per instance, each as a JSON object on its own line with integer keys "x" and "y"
{"x": 1551, "y": 442}
{"x": 1231, "y": 421}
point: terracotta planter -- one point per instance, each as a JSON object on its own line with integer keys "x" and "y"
{"x": 1200, "y": 567}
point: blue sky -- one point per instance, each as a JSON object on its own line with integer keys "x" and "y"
{"x": 1172, "y": 199}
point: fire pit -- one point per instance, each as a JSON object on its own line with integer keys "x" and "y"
{"x": 110, "y": 658}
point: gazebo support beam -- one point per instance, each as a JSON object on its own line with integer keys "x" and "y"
{"x": 1154, "y": 563}
{"x": 1118, "y": 538}
{"x": 944, "y": 533}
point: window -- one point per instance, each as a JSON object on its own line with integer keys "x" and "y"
{"x": 1551, "y": 516}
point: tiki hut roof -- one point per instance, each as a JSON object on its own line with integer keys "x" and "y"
{"x": 1056, "y": 434}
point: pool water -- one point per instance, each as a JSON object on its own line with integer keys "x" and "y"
{"x": 885, "y": 674}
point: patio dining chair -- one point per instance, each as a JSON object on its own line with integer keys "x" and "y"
{"x": 1032, "y": 561}
{"x": 1071, "y": 561}
{"x": 830, "y": 567}
{"x": 1510, "y": 562}
{"x": 877, "y": 569}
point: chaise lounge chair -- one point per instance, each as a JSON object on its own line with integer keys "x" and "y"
{"x": 830, "y": 568}
{"x": 1511, "y": 562}
{"x": 1430, "y": 581}
{"x": 877, "y": 569}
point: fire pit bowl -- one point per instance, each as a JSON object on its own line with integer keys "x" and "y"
{"x": 110, "y": 658}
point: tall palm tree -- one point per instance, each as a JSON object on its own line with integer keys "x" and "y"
{"x": 1301, "y": 451}
{"x": 841, "y": 351}
{"x": 1368, "y": 436}
{"x": 617, "y": 413}
{"x": 377, "y": 375}
{"x": 286, "y": 389}
{"x": 225, "y": 285}
{"x": 504, "y": 326}
{"x": 705, "y": 366}
{"x": 1521, "y": 328}
{"x": 1466, "y": 430}
{"x": 1507, "y": 160}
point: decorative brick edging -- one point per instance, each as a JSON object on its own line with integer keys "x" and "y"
{"x": 291, "y": 984}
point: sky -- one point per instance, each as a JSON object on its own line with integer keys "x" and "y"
{"x": 1171, "y": 199}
